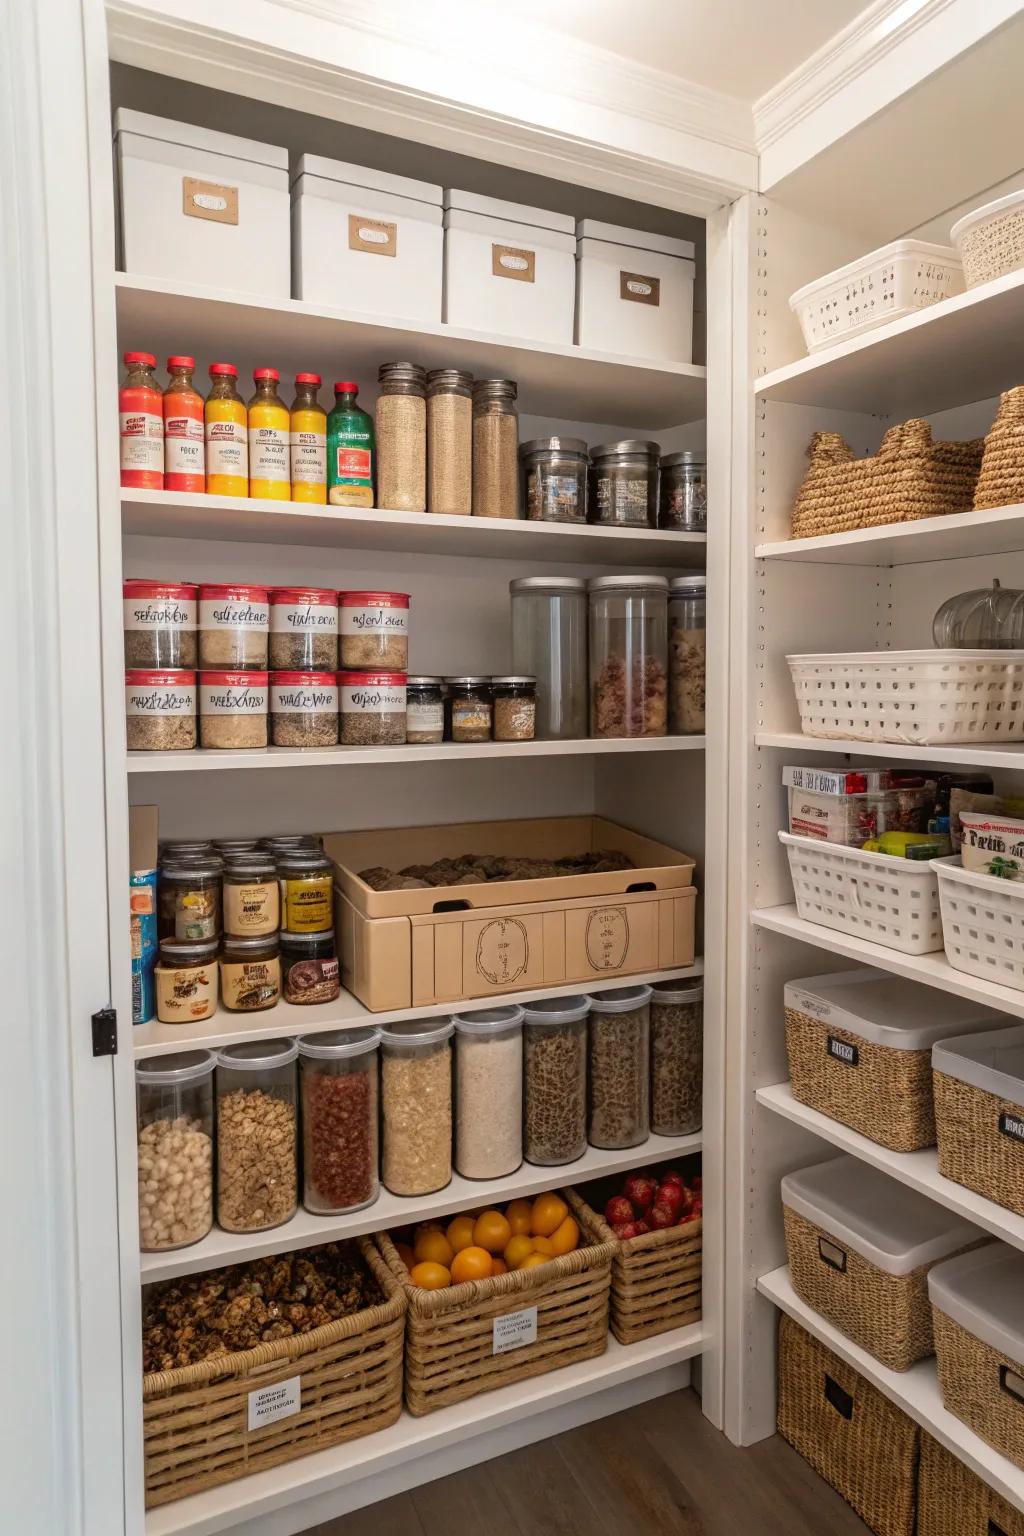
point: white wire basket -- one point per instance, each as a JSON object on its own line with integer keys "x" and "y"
{"x": 889, "y": 901}
{"x": 983, "y": 923}
{"x": 895, "y": 280}
{"x": 920, "y": 698}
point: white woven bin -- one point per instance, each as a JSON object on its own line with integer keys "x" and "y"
{"x": 982, "y": 922}
{"x": 890, "y": 901}
{"x": 990, "y": 239}
{"x": 897, "y": 279}
{"x": 920, "y": 698}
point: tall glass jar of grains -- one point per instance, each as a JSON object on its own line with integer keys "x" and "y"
{"x": 450, "y": 441}
{"x": 687, "y": 654}
{"x": 677, "y": 1057}
{"x": 549, "y": 642}
{"x": 628, "y": 655}
{"x": 174, "y": 1107}
{"x": 555, "y": 1088}
{"x": 257, "y": 1139}
{"x": 488, "y": 1092}
{"x": 401, "y": 433}
{"x": 619, "y": 1034}
{"x": 416, "y": 1106}
{"x": 495, "y": 448}
{"x": 338, "y": 1077}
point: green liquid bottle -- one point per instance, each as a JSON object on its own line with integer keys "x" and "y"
{"x": 350, "y": 450}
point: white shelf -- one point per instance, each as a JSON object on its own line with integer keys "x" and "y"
{"x": 389, "y": 1211}
{"x": 966, "y": 348}
{"x": 915, "y": 1391}
{"x": 570, "y": 382}
{"x": 981, "y": 756}
{"x": 956, "y": 537}
{"x": 412, "y": 1440}
{"x": 919, "y": 1170}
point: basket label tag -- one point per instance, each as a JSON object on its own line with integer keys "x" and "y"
{"x": 268, "y": 1404}
{"x": 1012, "y": 1126}
{"x": 514, "y": 1330}
{"x": 1011, "y": 1383}
{"x": 841, "y": 1401}
{"x": 831, "y": 1255}
{"x": 848, "y": 1054}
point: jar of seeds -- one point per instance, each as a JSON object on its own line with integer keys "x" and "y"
{"x": 554, "y": 471}
{"x": 374, "y": 631}
{"x": 234, "y": 626}
{"x": 160, "y": 710}
{"x": 495, "y": 448}
{"x": 555, "y": 1086}
{"x": 303, "y": 629}
{"x": 159, "y": 620}
{"x": 401, "y": 433}
{"x": 618, "y": 1058}
{"x": 468, "y": 708}
{"x": 372, "y": 708}
{"x": 450, "y": 441}
{"x": 424, "y": 710}
{"x": 233, "y": 709}
{"x": 304, "y": 709}
{"x": 489, "y": 1092}
{"x": 677, "y": 1057}
{"x": 416, "y": 1102}
{"x": 515, "y": 708}
{"x": 257, "y": 1135}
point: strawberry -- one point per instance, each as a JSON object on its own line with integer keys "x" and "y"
{"x": 617, "y": 1211}
{"x": 641, "y": 1190}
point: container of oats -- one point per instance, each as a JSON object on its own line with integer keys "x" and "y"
{"x": 304, "y": 629}
{"x": 373, "y": 708}
{"x": 160, "y": 710}
{"x": 234, "y": 626}
{"x": 374, "y": 631}
{"x": 304, "y": 709}
{"x": 257, "y": 1140}
{"x": 555, "y": 1079}
{"x": 416, "y": 1103}
{"x": 618, "y": 1060}
{"x": 233, "y": 709}
{"x": 159, "y": 620}
{"x": 489, "y": 1100}
{"x": 677, "y": 1057}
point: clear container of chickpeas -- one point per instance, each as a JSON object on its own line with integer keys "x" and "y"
{"x": 174, "y": 1115}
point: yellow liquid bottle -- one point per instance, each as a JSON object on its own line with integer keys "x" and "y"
{"x": 227, "y": 441}
{"x": 269, "y": 430}
{"x": 308, "y": 441}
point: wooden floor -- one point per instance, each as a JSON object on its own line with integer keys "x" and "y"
{"x": 656, "y": 1470}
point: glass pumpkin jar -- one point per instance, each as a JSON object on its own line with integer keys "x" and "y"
{"x": 988, "y": 618}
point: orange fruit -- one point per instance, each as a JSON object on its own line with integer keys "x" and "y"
{"x": 406, "y": 1254}
{"x": 543, "y": 1245}
{"x": 519, "y": 1214}
{"x": 430, "y": 1277}
{"x": 471, "y": 1264}
{"x": 565, "y": 1237}
{"x": 517, "y": 1249}
{"x": 549, "y": 1211}
{"x": 492, "y": 1231}
{"x": 432, "y": 1247}
{"x": 498, "y": 1267}
{"x": 535, "y": 1261}
{"x": 460, "y": 1233}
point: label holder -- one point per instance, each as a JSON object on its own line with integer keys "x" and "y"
{"x": 514, "y": 262}
{"x": 210, "y": 200}
{"x": 377, "y": 237}
{"x": 637, "y": 288}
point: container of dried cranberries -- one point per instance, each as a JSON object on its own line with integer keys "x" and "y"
{"x": 338, "y": 1075}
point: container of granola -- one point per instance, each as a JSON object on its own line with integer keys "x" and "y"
{"x": 234, "y": 625}
{"x": 159, "y": 619}
{"x": 304, "y": 629}
{"x": 304, "y": 709}
{"x": 374, "y": 631}
{"x": 677, "y": 1057}
{"x": 373, "y": 706}
{"x": 628, "y": 655}
{"x": 618, "y": 1107}
{"x": 160, "y": 710}
{"x": 257, "y": 1134}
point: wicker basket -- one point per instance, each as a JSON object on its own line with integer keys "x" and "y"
{"x": 952, "y": 1501}
{"x": 656, "y": 1278}
{"x": 1001, "y": 482}
{"x": 973, "y": 1150}
{"x": 852, "y": 1435}
{"x": 450, "y": 1342}
{"x": 196, "y": 1420}
{"x": 981, "y": 1387}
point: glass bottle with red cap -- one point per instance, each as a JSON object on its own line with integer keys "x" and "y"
{"x": 184, "y": 436}
{"x": 227, "y": 438}
{"x": 142, "y": 424}
{"x": 351, "y": 450}
{"x": 308, "y": 441}
{"x": 269, "y": 427}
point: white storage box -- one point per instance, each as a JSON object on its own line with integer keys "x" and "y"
{"x": 982, "y": 922}
{"x": 895, "y": 280}
{"x": 893, "y": 902}
{"x": 209, "y": 205}
{"x": 990, "y": 239}
{"x": 365, "y": 240}
{"x": 508, "y": 268}
{"x": 634, "y": 292}
{"x": 922, "y": 698}
{"x": 979, "y": 1341}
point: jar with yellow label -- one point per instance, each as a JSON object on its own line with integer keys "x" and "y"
{"x": 250, "y": 973}
{"x": 252, "y": 896}
{"x": 227, "y": 438}
{"x": 307, "y": 891}
{"x": 186, "y": 980}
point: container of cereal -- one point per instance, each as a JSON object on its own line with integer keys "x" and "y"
{"x": 257, "y": 1140}
{"x": 677, "y": 1057}
{"x": 160, "y": 710}
{"x": 306, "y": 878}
{"x": 159, "y": 620}
{"x": 186, "y": 980}
{"x": 174, "y": 1112}
{"x": 338, "y": 1086}
{"x": 233, "y": 709}
{"x": 189, "y": 898}
{"x": 373, "y": 706}
{"x": 489, "y": 1092}
{"x": 250, "y": 973}
{"x": 234, "y": 624}
{"x": 416, "y": 1101}
{"x": 469, "y": 708}
{"x": 555, "y": 1079}
{"x": 304, "y": 629}
{"x": 628, "y": 655}
{"x": 618, "y": 1059}
{"x": 252, "y": 895}
{"x": 515, "y": 707}
{"x": 304, "y": 709}
{"x": 374, "y": 631}
{"x": 309, "y": 967}
{"x": 424, "y": 720}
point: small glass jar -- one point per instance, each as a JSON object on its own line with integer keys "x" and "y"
{"x": 488, "y": 1092}
{"x": 309, "y": 967}
{"x": 374, "y": 631}
{"x": 185, "y": 977}
{"x": 515, "y": 708}
{"x": 175, "y": 850}
{"x": 250, "y": 973}
{"x": 618, "y": 1059}
{"x": 628, "y": 655}
{"x": 687, "y": 654}
{"x": 234, "y": 626}
{"x": 160, "y": 710}
{"x": 450, "y": 442}
{"x": 495, "y": 448}
{"x": 174, "y": 1116}
{"x": 624, "y": 484}
{"x": 338, "y": 1084}
{"x": 416, "y": 1106}
{"x": 401, "y": 433}
{"x": 257, "y": 1135}
{"x": 306, "y": 877}
{"x": 303, "y": 629}
{"x": 231, "y": 847}
{"x": 292, "y": 842}
{"x": 373, "y": 708}
{"x": 233, "y": 709}
{"x": 252, "y": 895}
{"x": 549, "y": 642}
{"x": 677, "y": 1057}
{"x": 554, "y": 479}
{"x": 468, "y": 708}
{"x": 555, "y": 1073}
{"x": 683, "y": 493}
{"x": 159, "y": 619}
{"x": 188, "y": 899}
{"x": 304, "y": 709}
{"x": 424, "y": 703}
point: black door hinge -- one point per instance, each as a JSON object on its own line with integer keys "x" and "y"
{"x": 104, "y": 1032}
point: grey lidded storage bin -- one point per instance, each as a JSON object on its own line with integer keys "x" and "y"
{"x": 979, "y": 1113}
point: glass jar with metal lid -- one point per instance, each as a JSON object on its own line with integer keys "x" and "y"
{"x": 628, "y": 655}
{"x": 185, "y": 978}
{"x": 174, "y": 1115}
{"x": 250, "y": 972}
{"x": 495, "y": 448}
{"x": 189, "y": 898}
{"x": 229, "y": 847}
{"x": 469, "y": 710}
{"x": 310, "y": 972}
{"x": 307, "y": 890}
{"x": 554, "y": 479}
{"x": 257, "y": 1135}
{"x": 683, "y": 493}
{"x": 252, "y": 895}
{"x": 338, "y": 1084}
{"x": 401, "y": 433}
{"x": 687, "y": 654}
{"x": 549, "y": 642}
{"x": 424, "y": 710}
{"x": 450, "y": 441}
{"x": 624, "y": 483}
{"x": 514, "y": 702}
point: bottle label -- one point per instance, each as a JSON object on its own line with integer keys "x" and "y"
{"x": 309, "y": 458}
{"x": 268, "y": 453}
{"x": 351, "y": 464}
{"x": 373, "y": 699}
{"x": 374, "y": 621}
{"x": 296, "y": 698}
{"x": 160, "y": 699}
{"x": 304, "y": 619}
{"x": 184, "y": 451}
{"x": 425, "y": 717}
{"x": 158, "y": 613}
{"x": 225, "y": 699}
{"x": 142, "y": 441}
{"x": 233, "y": 613}
{"x": 227, "y": 449}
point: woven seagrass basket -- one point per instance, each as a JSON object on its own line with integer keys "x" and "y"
{"x": 980, "y": 1386}
{"x": 973, "y": 1151}
{"x": 196, "y": 1419}
{"x": 952, "y": 1501}
{"x": 1001, "y": 482}
{"x": 853, "y": 1437}
{"x": 910, "y": 477}
{"x": 656, "y": 1278}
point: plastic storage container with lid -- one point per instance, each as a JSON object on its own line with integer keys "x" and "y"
{"x": 677, "y": 1057}
{"x": 554, "y": 479}
{"x": 338, "y": 1084}
{"x": 488, "y": 1092}
{"x": 373, "y": 708}
{"x": 687, "y": 654}
{"x": 416, "y": 1106}
{"x": 304, "y": 629}
{"x": 979, "y": 1113}
{"x": 508, "y": 267}
{"x": 185, "y": 977}
{"x": 495, "y": 448}
{"x": 234, "y": 625}
{"x": 160, "y": 709}
{"x": 233, "y": 709}
{"x": 623, "y": 483}
{"x": 174, "y": 1114}
{"x": 549, "y": 642}
{"x": 304, "y": 709}
{"x": 374, "y": 631}
{"x": 859, "y": 1045}
{"x": 400, "y": 429}
{"x": 683, "y": 492}
{"x": 555, "y": 1079}
{"x": 628, "y": 655}
{"x": 257, "y": 1140}
{"x": 860, "y": 1246}
{"x": 634, "y": 292}
{"x": 618, "y": 1059}
{"x": 159, "y": 619}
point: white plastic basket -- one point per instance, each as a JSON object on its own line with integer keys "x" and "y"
{"x": 921, "y": 698}
{"x": 890, "y": 901}
{"x": 983, "y": 923}
{"x": 895, "y": 280}
{"x": 990, "y": 239}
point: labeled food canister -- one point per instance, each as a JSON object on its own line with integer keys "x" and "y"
{"x": 227, "y": 434}
{"x": 189, "y": 898}
{"x": 624, "y": 484}
{"x": 555, "y": 1079}
{"x": 374, "y": 630}
{"x": 234, "y": 623}
{"x": 186, "y": 980}
{"x": 233, "y": 709}
{"x": 549, "y": 642}
{"x": 401, "y": 432}
{"x": 339, "y": 1091}
{"x": 140, "y": 404}
{"x": 554, "y": 476}
{"x": 416, "y": 1106}
{"x": 257, "y": 1134}
{"x": 450, "y": 442}
{"x": 303, "y": 629}
{"x": 306, "y": 878}
{"x": 628, "y": 655}
{"x": 159, "y": 620}
{"x": 160, "y": 709}
{"x": 309, "y": 967}
{"x": 683, "y": 493}
{"x": 514, "y": 701}
{"x": 250, "y": 972}
{"x": 373, "y": 708}
{"x": 618, "y": 1109}
{"x": 252, "y": 895}
{"x": 174, "y": 1116}
{"x": 184, "y": 438}
{"x": 304, "y": 709}
{"x": 424, "y": 710}
{"x": 470, "y": 712}
{"x": 489, "y": 1092}
{"x": 269, "y": 439}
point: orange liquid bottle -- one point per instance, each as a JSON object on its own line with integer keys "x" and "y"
{"x": 142, "y": 424}
{"x": 184, "y": 436}
{"x": 308, "y": 441}
{"x": 269, "y": 432}
{"x": 227, "y": 438}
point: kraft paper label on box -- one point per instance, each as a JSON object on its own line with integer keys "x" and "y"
{"x": 502, "y": 951}
{"x": 607, "y": 938}
{"x": 514, "y": 1330}
{"x": 378, "y": 236}
{"x": 511, "y": 261}
{"x": 209, "y": 200}
{"x": 638, "y": 289}
{"x": 281, "y": 1401}
{"x": 841, "y": 1051}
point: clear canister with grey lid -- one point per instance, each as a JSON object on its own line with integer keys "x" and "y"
{"x": 257, "y": 1135}
{"x": 488, "y": 1092}
{"x": 628, "y": 655}
{"x": 618, "y": 1056}
{"x": 555, "y": 1079}
{"x": 687, "y": 654}
{"x": 683, "y": 492}
{"x": 624, "y": 483}
{"x": 450, "y": 442}
{"x": 495, "y": 448}
{"x": 554, "y": 479}
{"x": 549, "y": 642}
{"x": 174, "y": 1127}
{"x": 339, "y": 1091}
{"x": 416, "y": 1106}
{"x": 401, "y": 437}
{"x": 677, "y": 1057}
